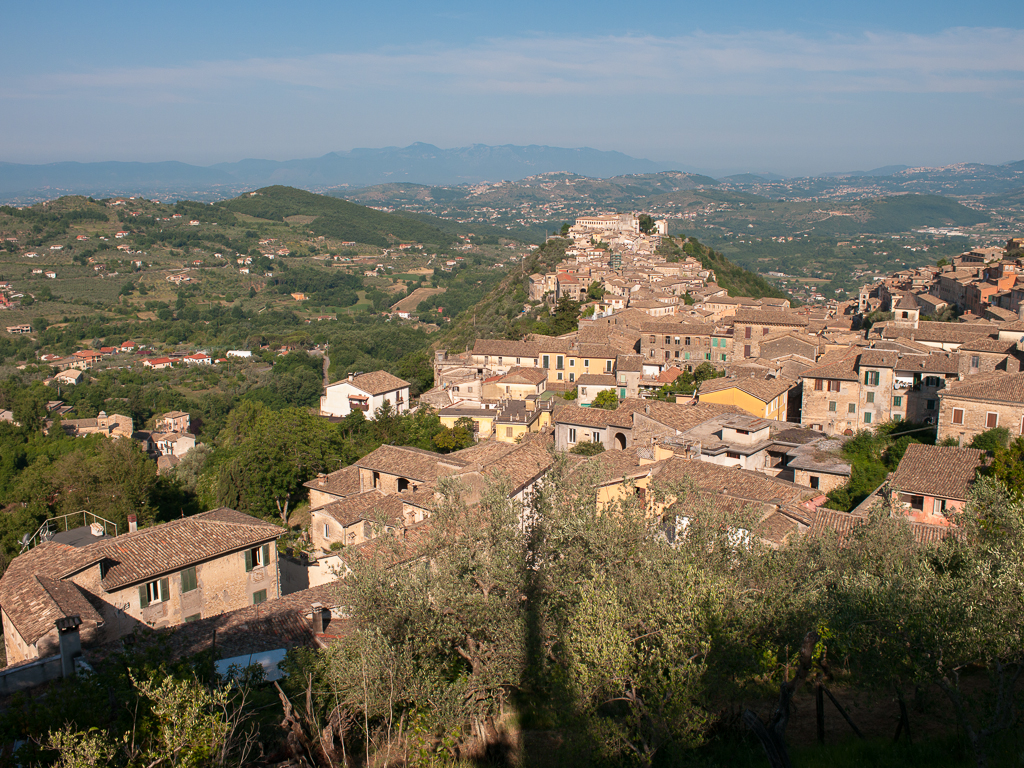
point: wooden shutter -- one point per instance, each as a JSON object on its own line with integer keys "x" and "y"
{"x": 143, "y": 597}
{"x": 165, "y": 590}
{"x": 266, "y": 555}
{"x": 248, "y": 560}
{"x": 991, "y": 420}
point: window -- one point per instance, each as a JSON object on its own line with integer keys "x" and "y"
{"x": 832, "y": 407}
{"x": 723, "y": 357}
{"x": 746, "y": 332}
{"x": 896, "y": 417}
{"x": 560, "y": 362}
{"x": 871, "y": 378}
{"x": 572, "y": 376}
{"x": 546, "y": 361}
{"x": 586, "y": 363}
{"x": 259, "y": 597}
{"x": 819, "y": 385}
{"x": 897, "y": 401}
{"x": 975, "y": 361}
{"x": 572, "y": 362}
{"x": 707, "y": 355}
{"x": 764, "y": 331}
{"x": 327, "y": 530}
{"x": 815, "y": 482}
{"x": 257, "y": 557}
{"x": 677, "y": 341}
{"x": 714, "y": 342}
{"x": 608, "y": 366}
{"x": 834, "y": 385}
{"x": 158, "y": 591}
{"x": 686, "y": 355}
{"x": 595, "y": 437}
{"x": 931, "y": 381}
{"x": 851, "y": 408}
{"x": 867, "y": 417}
{"x": 572, "y": 435}
{"x": 746, "y": 350}
{"x": 958, "y": 415}
{"x": 991, "y": 420}
{"x": 508, "y": 431}
{"x": 668, "y": 340}
{"x": 870, "y": 397}
{"x": 938, "y": 506}
{"x": 930, "y": 404}
{"x": 677, "y": 354}
{"x": 731, "y": 455}
{"x": 189, "y": 581}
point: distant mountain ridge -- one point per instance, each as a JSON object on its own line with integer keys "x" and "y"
{"x": 428, "y": 165}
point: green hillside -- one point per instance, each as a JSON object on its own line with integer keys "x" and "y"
{"x": 337, "y": 218}
{"x": 736, "y": 280}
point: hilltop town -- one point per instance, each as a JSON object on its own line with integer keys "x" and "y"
{"x": 665, "y": 383}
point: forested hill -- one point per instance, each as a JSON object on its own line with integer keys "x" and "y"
{"x": 336, "y": 218}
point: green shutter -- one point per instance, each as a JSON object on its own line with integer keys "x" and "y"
{"x": 248, "y": 560}
{"x": 266, "y": 555}
{"x": 143, "y": 597}
{"x": 189, "y": 581}
{"x": 165, "y": 590}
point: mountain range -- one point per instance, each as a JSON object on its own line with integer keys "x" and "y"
{"x": 426, "y": 164}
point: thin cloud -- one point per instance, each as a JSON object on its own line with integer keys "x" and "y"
{"x": 965, "y": 60}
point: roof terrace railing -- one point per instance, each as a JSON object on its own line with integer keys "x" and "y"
{"x": 55, "y": 525}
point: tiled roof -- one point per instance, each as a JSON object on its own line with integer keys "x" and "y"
{"x": 951, "y": 333}
{"x": 343, "y": 482}
{"x": 629, "y": 363}
{"x": 371, "y": 505}
{"x": 844, "y": 524}
{"x": 521, "y": 465}
{"x": 936, "y": 362}
{"x": 151, "y": 552}
{"x": 524, "y": 376}
{"x": 764, "y": 390}
{"x": 769, "y": 317}
{"x": 505, "y": 348}
{"x": 994, "y": 387}
{"x": 31, "y": 597}
{"x": 412, "y": 463}
{"x": 682, "y": 416}
{"x": 935, "y": 470}
{"x": 599, "y": 417}
{"x": 1003, "y": 347}
{"x": 376, "y": 382}
{"x": 878, "y": 358}
{"x": 839, "y": 365}
{"x": 596, "y": 380}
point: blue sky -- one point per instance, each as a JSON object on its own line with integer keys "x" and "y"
{"x": 792, "y": 87}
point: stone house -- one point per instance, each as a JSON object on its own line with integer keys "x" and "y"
{"x": 518, "y": 384}
{"x": 751, "y": 326}
{"x": 366, "y": 392}
{"x": 933, "y": 482}
{"x": 590, "y": 385}
{"x": 160, "y": 576}
{"x": 975, "y": 405}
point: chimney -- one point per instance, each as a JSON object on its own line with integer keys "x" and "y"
{"x": 318, "y": 619}
{"x": 321, "y": 479}
{"x": 70, "y": 643}
{"x": 350, "y": 377}
{"x": 133, "y": 523}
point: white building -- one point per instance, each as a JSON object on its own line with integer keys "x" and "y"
{"x": 366, "y": 392}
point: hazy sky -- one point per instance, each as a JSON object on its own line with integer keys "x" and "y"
{"x": 790, "y": 86}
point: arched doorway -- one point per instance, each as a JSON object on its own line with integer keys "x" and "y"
{"x": 620, "y": 441}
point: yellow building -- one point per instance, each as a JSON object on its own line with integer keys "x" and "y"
{"x": 517, "y": 418}
{"x": 764, "y": 398}
{"x": 483, "y": 419}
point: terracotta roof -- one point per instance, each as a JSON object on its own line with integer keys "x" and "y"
{"x": 937, "y": 362}
{"x": 520, "y": 375}
{"x": 371, "y": 505}
{"x": 839, "y": 365}
{"x": 629, "y": 363}
{"x": 522, "y": 465}
{"x": 412, "y": 463}
{"x": 764, "y": 390}
{"x": 951, "y": 333}
{"x": 376, "y": 382}
{"x": 878, "y": 358}
{"x": 505, "y": 348}
{"x": 994, "y": 387}
{"x": 935, "y": 470}
{"x": 769, "y": 317}
{"x": 844, "y": 525}
{"x": 151, "y": 552}
{"x": 596, "y": 380}
{"x": 1003, "y": 347}
{"x": 32, "y": 598}
{"x": 599, "y": 417}
{"x": 682, "y": 416}
{"x": 343, "y": 482}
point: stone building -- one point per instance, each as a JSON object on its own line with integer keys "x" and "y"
{"x": 979, "y": 403}
{"x": 160, "y": 576}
